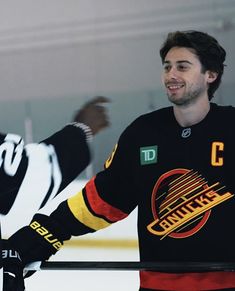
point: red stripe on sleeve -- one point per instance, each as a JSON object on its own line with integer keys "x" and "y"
{"x": 99, "y": 206}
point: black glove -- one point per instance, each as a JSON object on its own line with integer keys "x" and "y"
{"x": 12, "y": 268}
{"x": 39, "y": 240}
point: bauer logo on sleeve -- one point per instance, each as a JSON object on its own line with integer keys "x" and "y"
{"x": 148, "y": 155}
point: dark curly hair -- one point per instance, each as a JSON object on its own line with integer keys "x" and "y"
{"x": 206, "y": 47}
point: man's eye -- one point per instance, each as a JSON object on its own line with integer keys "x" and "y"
{"x": 182, "y": 68}
{"x": 166, "y": 68}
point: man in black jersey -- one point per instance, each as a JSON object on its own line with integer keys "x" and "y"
{"x": 175, "y": 164}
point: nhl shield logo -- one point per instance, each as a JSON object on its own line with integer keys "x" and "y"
{"x": 186, "y": 132}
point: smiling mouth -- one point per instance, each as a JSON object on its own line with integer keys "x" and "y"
{"x": 174, "y": 87}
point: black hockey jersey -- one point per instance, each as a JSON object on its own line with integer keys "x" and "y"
{"x": 182, "y": 181}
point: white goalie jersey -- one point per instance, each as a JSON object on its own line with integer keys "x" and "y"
{"x": 33, "y": 174}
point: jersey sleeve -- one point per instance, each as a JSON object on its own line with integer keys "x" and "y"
{"x": 13, "y": 165}
{"x": 40, "y": 169}
{"x": 72, "y": 151}
{"x": 107, "y": 198}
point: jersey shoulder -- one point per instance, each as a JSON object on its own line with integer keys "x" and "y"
{"x": 161, "y": 116}
{"x": 225, "y": 113}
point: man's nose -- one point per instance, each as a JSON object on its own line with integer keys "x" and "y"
{"x": 172, "y": 73}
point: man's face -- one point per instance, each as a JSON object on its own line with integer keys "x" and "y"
{"x": 182, "y": 76}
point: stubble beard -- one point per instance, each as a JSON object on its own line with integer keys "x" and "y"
{"x": 186, "y": 99}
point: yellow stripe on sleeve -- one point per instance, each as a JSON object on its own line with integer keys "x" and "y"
{"x": 80, "y": 211}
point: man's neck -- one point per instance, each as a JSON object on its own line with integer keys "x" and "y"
{"x": 192, "y": 113}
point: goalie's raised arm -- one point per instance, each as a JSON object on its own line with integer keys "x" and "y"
{"x": 58, "y": 160}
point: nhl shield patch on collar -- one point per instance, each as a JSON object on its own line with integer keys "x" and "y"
{"x": 148, "y": 155}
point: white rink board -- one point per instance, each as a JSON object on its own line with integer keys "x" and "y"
{"x": 87, "y": 280}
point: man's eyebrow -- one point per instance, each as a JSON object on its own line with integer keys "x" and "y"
{"x": 178, "y": 62}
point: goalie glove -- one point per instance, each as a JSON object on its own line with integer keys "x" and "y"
{"x": 39, "y": 240}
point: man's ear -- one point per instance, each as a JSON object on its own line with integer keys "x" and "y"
{"x": 211, "y": 76}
